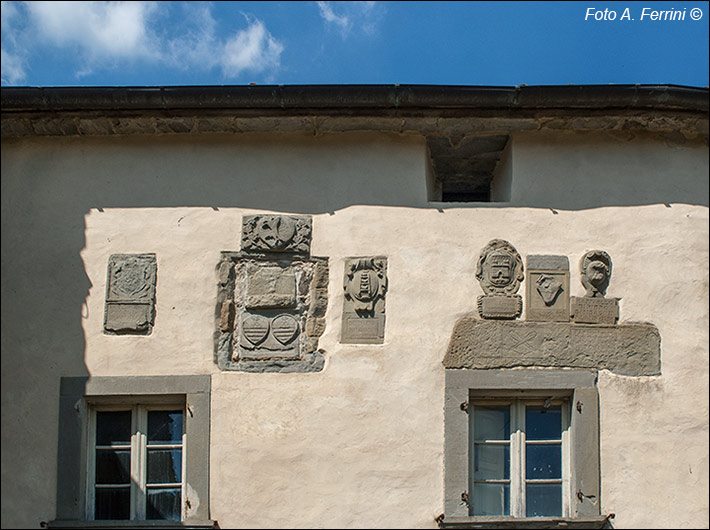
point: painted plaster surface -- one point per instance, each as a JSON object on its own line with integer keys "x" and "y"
{"x": 359, "y": 444}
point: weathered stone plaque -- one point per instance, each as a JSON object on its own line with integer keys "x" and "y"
{"x": 276, "y": 233}
{"x": 271, "y": 299}
{"x": 130, "y": 294}
{"x": 365, "y": 285}
{"x": 595, "y": 310}
{"x": 595, "y": 270}
{"x": 500, "y": 271}
{"x": 547, "y": 288}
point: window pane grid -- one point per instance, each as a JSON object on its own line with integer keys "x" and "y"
{"x": 537, "y": 467}
{"x": 124, "y": 443}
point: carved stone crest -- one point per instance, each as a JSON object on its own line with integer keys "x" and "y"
{"x": 547, "y": 288}
{"x": 271, "y": 299}
{"x": 130, "y": 294}
{"x": 276, "y": 233}
{"x": 500, "y": 272}
{"x": 365, "y": 285}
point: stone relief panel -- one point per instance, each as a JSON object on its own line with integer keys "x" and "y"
{"x": 547, "y": 288}
{"x": 365, "y": 286}
{"x": 595, "y": 270}
{"x": 271, "y": 299}
{"x": 500, "y": 272}
{"x": 276, "y": 233}
{"x": 130, "y": 294}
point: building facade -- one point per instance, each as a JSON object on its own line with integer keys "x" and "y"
{"x": 355, "y": 307}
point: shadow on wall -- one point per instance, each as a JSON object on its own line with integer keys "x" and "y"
{"x": 312, "y": 175}
{"x": 44, "y": 288}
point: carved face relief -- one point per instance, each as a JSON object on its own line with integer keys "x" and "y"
{"x": 595, "y": 268}
{"x": 500, "y": 269}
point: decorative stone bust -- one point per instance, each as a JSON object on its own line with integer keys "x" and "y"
{"x": 595, "y": 268}
{"x": 500, "y": 272}
{"x": 593, "y": 307}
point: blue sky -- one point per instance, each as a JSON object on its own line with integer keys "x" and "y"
{"x": 441, "y": 43}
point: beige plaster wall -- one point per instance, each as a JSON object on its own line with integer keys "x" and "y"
{"x": 359, "y": 444}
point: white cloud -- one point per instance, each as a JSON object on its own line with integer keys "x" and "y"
{"x": 111, "y": 35}
{"x": 253, "y": 49}
{"x": 13, "y": 71}
{"x": 329, "y": 16}
{"x": 346, "y": 16}
{"x": 100, "y": 29}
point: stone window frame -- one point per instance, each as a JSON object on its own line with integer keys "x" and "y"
{"x": 77, "y": 397}
{"x": 580, "y": 388}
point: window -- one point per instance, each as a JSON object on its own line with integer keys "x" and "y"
{"x": 521, "y": 448}
{"x": 135, "y": 466}
{"x": 519, "y": 457}
{"x": 133, "y": 449}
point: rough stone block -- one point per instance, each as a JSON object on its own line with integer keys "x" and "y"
{"x": 270, "y": 287}
{"x": 628, "y": 349}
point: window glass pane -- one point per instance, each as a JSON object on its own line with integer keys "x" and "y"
{"x": 164, "y": 503}
{"x": 491, "y": 499}
{"x": 113, "y": 427}
{"x": 112, "y": 503}
{"x": 113, "y": 466}
{"x": 543, "y": 461}
{"x": 543, "y": 500}
{"x": 164, "y": 426}
{"x": 491, "y": 422}
{"x": 543, "y": 424}
{"x": 491, "y": 462}
{"x": 164, "y": 466}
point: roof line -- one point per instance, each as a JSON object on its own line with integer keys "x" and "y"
{"x": 353, "y": 98}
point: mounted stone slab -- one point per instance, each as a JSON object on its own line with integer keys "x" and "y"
{"x": 628, "y": 349}
{"x": 595, "y": 272}
{"x": 130, "y": 294}
{"x": 547, "y": 288}
{"x": 365, "y": 285}
{"x": 499, "y": 271}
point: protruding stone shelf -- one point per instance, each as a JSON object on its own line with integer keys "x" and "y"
{"x": 627, "y": 349}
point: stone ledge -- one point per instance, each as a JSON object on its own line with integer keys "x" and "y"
{"x": 601, "y": 521}
{"x": 627, "y": 349}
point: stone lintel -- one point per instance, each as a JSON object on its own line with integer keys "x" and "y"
{"x": 628, "y": 349}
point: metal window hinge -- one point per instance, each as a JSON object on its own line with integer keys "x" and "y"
{"x": 579, "y": 407}
{"x": 464, "y": 498}
{"x": 581, "y": 496}
{"x": 464, "y": 406}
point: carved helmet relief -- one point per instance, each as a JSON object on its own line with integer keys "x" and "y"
{"x": 276, "y": 233}
{"x": 595, "y": 269}
{"x": 500, "y": 268}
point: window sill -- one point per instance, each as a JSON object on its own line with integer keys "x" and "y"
{"x": 122, "y": 525}
{"x": 601, "y": 521}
